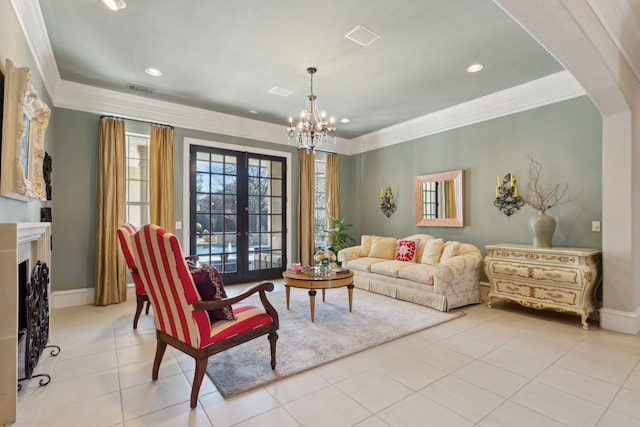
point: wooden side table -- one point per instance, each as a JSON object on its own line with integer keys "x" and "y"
{"x": 563, "y": 279}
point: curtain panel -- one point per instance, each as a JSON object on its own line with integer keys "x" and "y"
{"x": 162, "y": 178}
{"x": 110, "y": 273}
{"x": 306, "y": 193}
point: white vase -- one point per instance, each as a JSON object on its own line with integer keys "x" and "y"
{"x": 542, "y": 227}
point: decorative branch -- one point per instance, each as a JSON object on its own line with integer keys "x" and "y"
{"x": 543, "y": 198}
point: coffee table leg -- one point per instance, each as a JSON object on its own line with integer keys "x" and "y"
{"x": 350, "y": 290}
{"x": 287, "y": 293}
{"x": 323, "y": 294}
{"x": 312, "y": 302}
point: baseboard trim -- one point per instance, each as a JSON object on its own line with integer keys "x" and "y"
{"x": 627, "y": 322}
{"x": 82, "y": 296}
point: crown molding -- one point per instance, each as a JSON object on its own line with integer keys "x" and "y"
{"x": 65, "y": 94}
{"x": 29, "y": 16}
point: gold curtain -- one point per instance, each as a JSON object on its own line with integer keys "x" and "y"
{"x": 306, "y": 192}
{"x": 110, "y": 269}
{"x": 162, "y": 178}
{"x": 449, "y": 199}
{"x": 333, "y": 189}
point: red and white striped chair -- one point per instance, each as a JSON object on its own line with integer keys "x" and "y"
{"x": 124, "y": 235}
{"x": 181, "y": 317}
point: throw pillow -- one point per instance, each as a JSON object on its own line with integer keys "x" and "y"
{"x": 432, "y": 252}
{"x": 209, "y": 284}
{"x": 365, "y": 245}
{"x": 383, "y": 247}
{"x": 450, "y": 250}
{"x": 406, "y": 250}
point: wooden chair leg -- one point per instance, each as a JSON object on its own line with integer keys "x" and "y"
{"x": 140, "y": 299}
{"x": 160, "y": 348}
{"x": 148, "y": 305}
{"x": 273, "y": 338}
{"x": 201, "y": 367}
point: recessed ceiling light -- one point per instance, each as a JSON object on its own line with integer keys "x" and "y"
{"x": 115, "y": 4}
{"x": 153, "y": 72}
{"x": 474, "y": 68}
{"x": 345, "y": 120}
{"x": 253, "y": 111}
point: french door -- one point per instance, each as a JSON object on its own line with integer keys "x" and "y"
{"x": 237, "y": 209}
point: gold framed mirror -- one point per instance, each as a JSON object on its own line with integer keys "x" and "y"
{"x": 24, "y": 123}
{"x": 439, "y": 199}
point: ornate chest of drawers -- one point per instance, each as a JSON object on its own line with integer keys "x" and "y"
{"x": 563, "y": 279}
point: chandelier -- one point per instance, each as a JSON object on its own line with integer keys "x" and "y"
{"x": 313, "y": 130}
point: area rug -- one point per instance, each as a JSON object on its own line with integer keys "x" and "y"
{"x": 336, "y": 333}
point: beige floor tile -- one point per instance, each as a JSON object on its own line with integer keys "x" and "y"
{"x": 80, "y": 349}
{"x": 372, "y": 421}
{"x": 603, "y": 363}
{"x": 173, "y": 416}
{"x": 327, "y": 407}
{"x": 496, "y": 380}
{"x": 507, "y": 414}
{"x": 627, "y": 402}
{"x": 100, "y": 411}
{"x": 296, "y": 386}
{"x": 137, "y": 373}
{"x": 417, "y": 410}
{"x": 227, "y": 412}
{"x": 581, "y": 385}
{"x": 411, "y": 372}
{"x": 207, "y": 385}
{"x": 612, "y": 418}
{"x": 463, "y": 398}
{"x": 277, "y": 417}
{"x": 373, "y": 390}
{"x": 155, "y": 395}
{"x": 81, "y": 366}
{"x": 470, "y": 347}
{"x": 633, "y": 382}
{"x": 136, "y": 353}
{"x": 448, "y": 329}
{"x": 515, "y": 362}
{"x": 559, "y": 405}
{"x": 442, "y": 358}
{"x": 79, "y": 389}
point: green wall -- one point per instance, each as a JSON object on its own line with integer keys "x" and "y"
{"x": 564, "y": 137}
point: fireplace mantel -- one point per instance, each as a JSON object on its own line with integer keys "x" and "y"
{"x": 19, "y": 242}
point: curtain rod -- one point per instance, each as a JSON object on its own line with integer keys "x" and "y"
{"x": 318, "y": 149}
{"x": 109, "y": 116}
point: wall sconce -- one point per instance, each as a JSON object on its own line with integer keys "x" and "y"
{"x": 507, "y": 199}
{"x": 386, "y": 202}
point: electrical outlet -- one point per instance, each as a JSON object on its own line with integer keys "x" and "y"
{"x": 178, "y": 225}
{"x": 595, "y": 226}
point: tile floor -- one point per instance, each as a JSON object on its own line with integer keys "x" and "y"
{"x": 505, "y": 366}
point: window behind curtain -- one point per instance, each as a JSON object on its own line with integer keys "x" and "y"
{"x": 137, "y": 200}
{"x": 320, "y": 210}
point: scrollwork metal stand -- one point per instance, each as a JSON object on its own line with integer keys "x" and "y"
{"x": 507, "y": 199}
{"x": 386, "y": 202}
{"x": 37, "y": 329}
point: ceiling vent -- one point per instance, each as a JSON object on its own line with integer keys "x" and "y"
{"x": 280, "y": 91}
{"x": 140, "y": 88}
{"x": 361, "y": 35}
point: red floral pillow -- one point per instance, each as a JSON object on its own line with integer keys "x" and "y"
{"x": 406, "y": 250}
{"x": 209, "y": 284}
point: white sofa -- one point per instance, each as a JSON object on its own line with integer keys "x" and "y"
{"x": 441, "y": 275}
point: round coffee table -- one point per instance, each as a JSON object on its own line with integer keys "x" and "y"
{"x": 305, "y": 281}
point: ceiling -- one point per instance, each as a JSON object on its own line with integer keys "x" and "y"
{"x": 225, "y": 56}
